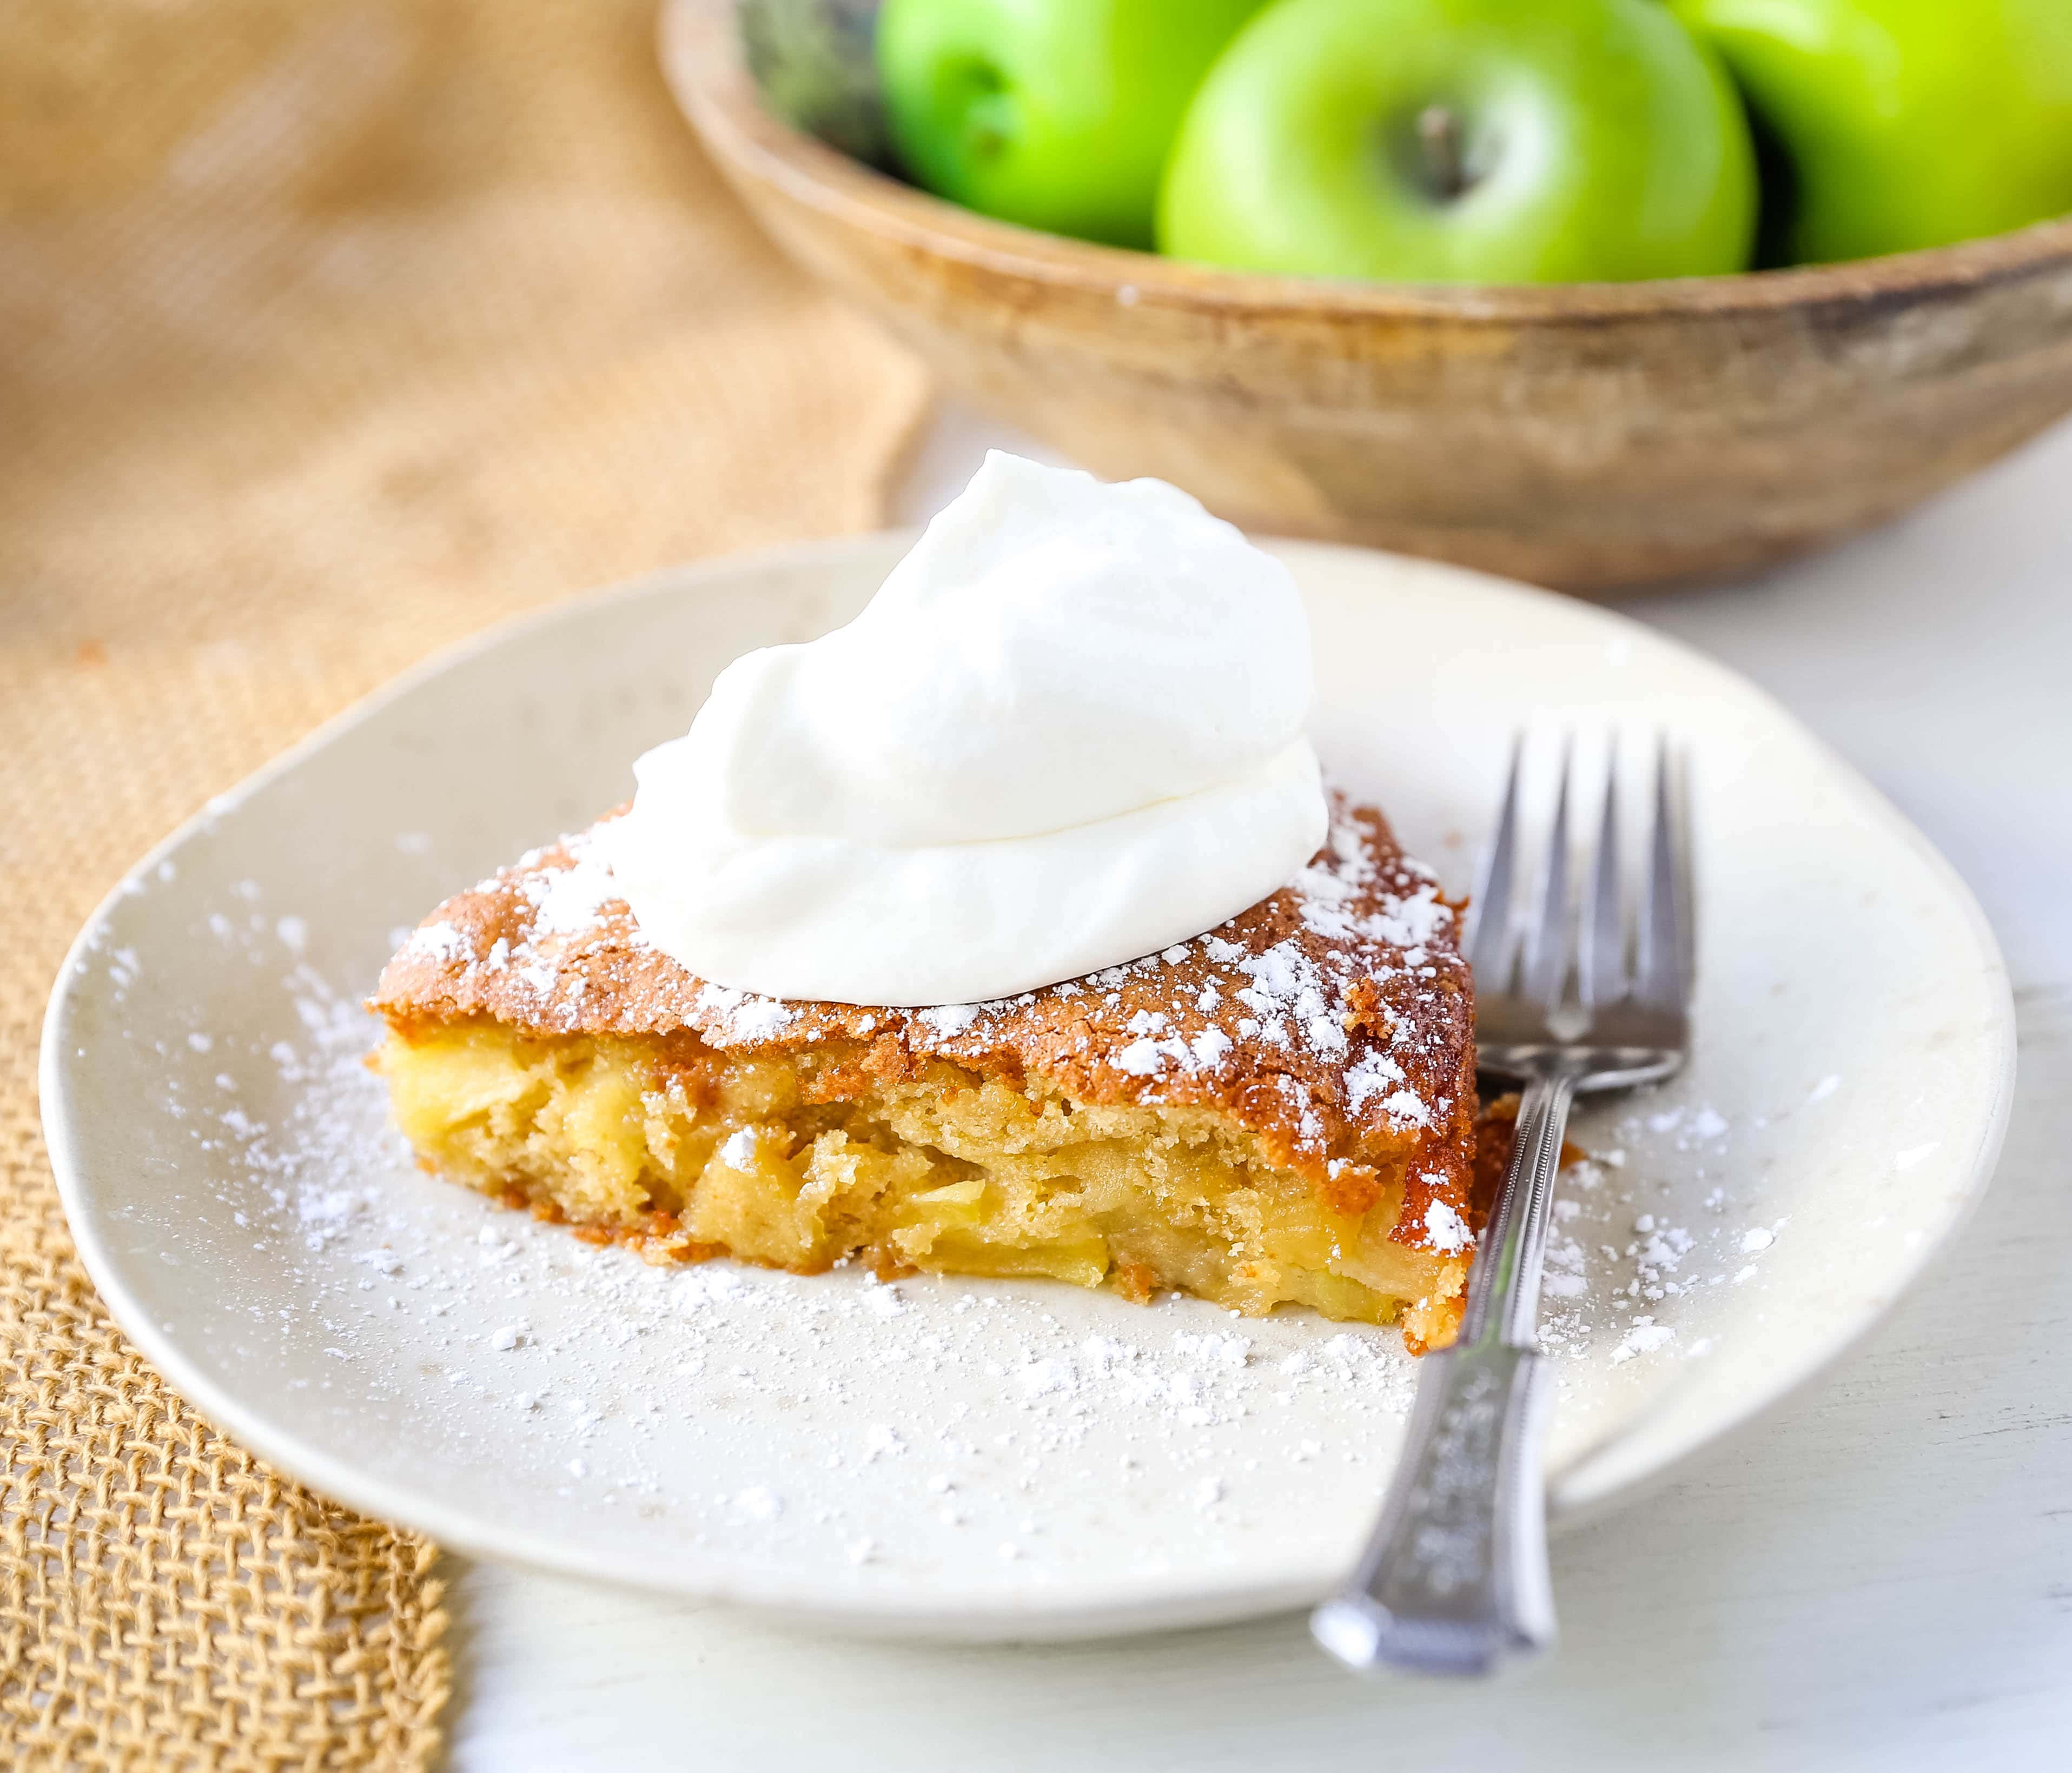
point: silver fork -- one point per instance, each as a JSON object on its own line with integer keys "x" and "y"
{"x": 1568, "y": 1000}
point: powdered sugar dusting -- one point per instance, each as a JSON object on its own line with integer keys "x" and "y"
{"x": 567, "y": 902}
{"x": 1373, "y": 1074}
{"x": 1445, "y": 1230}
{"x": 741, "y": 1015}
{"x": 439, "y": 942}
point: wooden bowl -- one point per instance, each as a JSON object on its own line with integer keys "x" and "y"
{"x": 1592, "y": 437}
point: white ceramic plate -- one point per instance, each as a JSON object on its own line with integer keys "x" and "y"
{"x": 990, "y": 1459}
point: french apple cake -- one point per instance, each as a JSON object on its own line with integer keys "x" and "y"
{"x": 1281, "y": 1111}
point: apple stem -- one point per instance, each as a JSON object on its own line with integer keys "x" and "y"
{"x": 1439, "y": 135}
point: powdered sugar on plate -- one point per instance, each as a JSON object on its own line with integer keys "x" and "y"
{"x": 830, "y": 1422}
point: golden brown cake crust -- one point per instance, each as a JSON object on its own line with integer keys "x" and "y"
{"x": 1335, "y": 1019}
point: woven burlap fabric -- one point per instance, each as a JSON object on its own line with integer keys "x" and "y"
{"x": 328, "y": 333}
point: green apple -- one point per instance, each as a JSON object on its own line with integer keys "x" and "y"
{"x": 1055, "y": 114}
{"x": 1464, "y": 141}
{"x": 1902, "y": 123}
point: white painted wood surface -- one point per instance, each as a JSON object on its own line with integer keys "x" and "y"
{"x": 1879, "y": 1578}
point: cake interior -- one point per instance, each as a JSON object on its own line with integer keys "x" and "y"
{"x": 799, "y": 1161}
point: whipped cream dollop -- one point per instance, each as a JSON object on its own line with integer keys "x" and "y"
{"x": 1066, "y": 731}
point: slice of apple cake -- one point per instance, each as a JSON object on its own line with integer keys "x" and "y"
{"x": 1280, "y": 1110}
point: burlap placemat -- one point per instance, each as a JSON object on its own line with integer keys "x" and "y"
{"x": 328, "y": 332}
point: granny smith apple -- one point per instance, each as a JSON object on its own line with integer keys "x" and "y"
{"x": 1464, "y": 141}
{"x": 1055, "y": 114}
{"x": 1902, "y": 123}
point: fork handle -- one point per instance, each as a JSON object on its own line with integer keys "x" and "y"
{"x": 1455, "y": 1579}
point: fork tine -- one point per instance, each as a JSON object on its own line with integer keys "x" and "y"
{"x": 1604, "y": 961}
{"x": 1547, "y": 956}
{"x": 1491, "y": 913}
{"x": 1667, "y": 914}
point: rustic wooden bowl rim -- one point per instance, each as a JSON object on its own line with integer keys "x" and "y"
{"x": 701, "y": 57}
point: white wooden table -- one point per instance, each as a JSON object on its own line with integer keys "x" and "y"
{"x": 1881, "y": 1577}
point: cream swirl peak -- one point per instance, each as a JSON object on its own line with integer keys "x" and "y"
{"x": 1066, "y": 731}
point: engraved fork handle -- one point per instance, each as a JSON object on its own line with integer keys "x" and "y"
{"x": 1455, "y": 1578}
